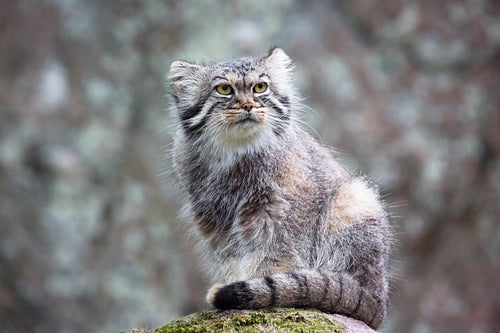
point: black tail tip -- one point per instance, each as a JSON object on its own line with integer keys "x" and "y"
{"x": 233, "y": 296}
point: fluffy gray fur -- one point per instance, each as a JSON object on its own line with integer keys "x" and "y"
{"x": 279, "y": 221}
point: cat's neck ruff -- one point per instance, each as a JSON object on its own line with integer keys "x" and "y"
{"x": 221, "y": 153}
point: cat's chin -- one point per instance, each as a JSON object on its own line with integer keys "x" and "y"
{"x": 242, "y": 140}
{"x": 245, "y": 133}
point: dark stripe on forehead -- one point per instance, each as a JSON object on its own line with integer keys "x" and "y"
{"x": 219, "y": 78}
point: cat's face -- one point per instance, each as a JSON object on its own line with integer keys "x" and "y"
{"x": 236, "y": 102}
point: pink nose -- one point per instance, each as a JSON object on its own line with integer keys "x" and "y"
{"x": 248, "y": 106}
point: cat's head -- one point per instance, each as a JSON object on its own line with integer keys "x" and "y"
{"x": 238, "y": 102}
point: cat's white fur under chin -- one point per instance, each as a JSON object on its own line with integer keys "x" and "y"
{"x": 223, "y": 150}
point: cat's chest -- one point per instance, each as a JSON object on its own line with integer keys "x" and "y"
{"x": 225, "y": 195}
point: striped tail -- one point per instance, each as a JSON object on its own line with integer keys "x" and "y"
{"x": 329, "y": 292}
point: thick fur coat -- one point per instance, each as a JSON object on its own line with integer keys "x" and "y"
{"x": 279, "y": 221}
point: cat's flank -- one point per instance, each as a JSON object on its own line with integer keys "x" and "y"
{"x": 279, "y": 221}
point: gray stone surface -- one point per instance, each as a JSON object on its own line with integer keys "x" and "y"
{"x": 269, "y": 320}
{"x": 350, "y": 325}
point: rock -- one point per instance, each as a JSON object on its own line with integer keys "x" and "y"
{"x": 265, "y": 320}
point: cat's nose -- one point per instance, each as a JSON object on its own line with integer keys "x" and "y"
{"x": 248, "y": 106}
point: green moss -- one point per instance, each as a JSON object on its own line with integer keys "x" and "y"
{"x": 266, "y": 320}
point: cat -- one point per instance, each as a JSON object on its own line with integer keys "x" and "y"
{"x": 278, "y": 220}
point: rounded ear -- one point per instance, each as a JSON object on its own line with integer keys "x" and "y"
{"x": 181, "y": 69}
{"x": 280, "y": 68}
{"x": 277, "y": 56}
{"x": 181, "y": 77}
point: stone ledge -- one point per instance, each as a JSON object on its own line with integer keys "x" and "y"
{"x": 265, "y": 320}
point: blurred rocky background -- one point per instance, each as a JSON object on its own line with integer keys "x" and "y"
{"x": 407, "y": 91}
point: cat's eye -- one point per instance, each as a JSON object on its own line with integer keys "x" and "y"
{"x": 260, "y": 87}
{"x": 224, "y": 89}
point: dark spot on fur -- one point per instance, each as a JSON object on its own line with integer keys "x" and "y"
{"x": 205, "y": 224}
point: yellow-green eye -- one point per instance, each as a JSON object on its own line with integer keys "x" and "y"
{"x": 260, "y": 87}
{"x": 224, "y": 89}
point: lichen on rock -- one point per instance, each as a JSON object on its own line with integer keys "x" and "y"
{"x": 265, "y": 320}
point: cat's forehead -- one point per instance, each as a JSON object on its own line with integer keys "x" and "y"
{"x": 239, "y": 67}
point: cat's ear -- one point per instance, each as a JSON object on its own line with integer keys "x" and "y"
{"x": 180, "y": 69}
{"x": 181, "y": 77}
{"x": 277, "y": 58}
{"x": 280, "y": 68}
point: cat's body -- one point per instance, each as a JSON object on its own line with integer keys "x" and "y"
{"x": 279, "y": 221}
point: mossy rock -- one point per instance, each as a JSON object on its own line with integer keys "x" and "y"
{"x": 265, "y": 320}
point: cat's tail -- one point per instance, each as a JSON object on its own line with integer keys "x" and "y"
{"x": 330, "y": 292}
